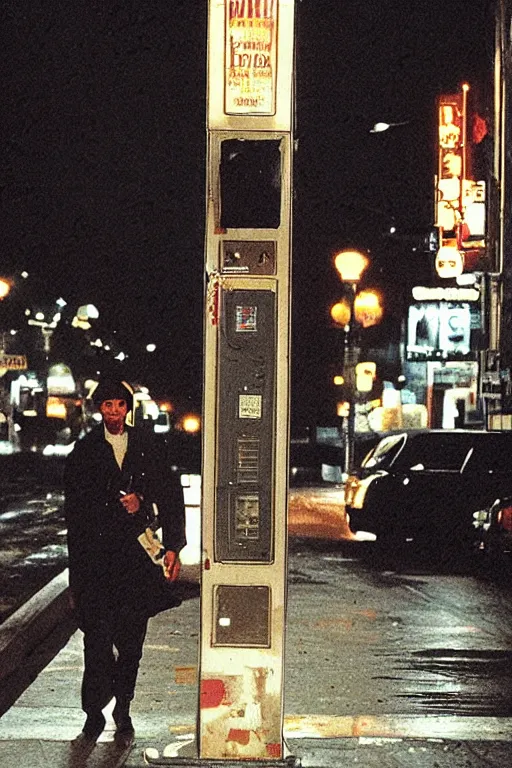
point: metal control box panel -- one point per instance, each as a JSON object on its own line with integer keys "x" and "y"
{"x": 246, "y": 367}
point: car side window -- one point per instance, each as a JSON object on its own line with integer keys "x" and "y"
{"x": 492, "y": 455}
{"x": 450, "y": 456}
{"x": 435, "y": 452}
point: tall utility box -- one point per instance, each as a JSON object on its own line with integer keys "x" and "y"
{"x": 246, "y": 384}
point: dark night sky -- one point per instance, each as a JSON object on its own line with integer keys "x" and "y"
{"x": 103, "y": 154}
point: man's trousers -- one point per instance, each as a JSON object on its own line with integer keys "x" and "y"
{"x": 113, "y": 643}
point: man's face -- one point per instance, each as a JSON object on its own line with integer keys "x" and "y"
{"x": 114, "y": 413}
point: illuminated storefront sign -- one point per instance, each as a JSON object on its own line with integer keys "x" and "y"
{"x": 449, "y": 261}
{"x": 251, "y": 57}
{"x": 460, "y": 198}
{"x": 424, "y": 293}
{"x": 13, "y": 362}
{"x": 441, "y": 329}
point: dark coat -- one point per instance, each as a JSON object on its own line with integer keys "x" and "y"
{"x": 107, "y": 564}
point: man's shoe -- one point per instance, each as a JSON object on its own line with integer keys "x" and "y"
{"x": 124, "y": 739}
{"x": 93, "y": 727}
{"x": 122, "y": 719}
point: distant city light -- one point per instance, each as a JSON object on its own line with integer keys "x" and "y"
{"x": 191, "y": 423}
{"x": 4, "y": 287}
{"x": 380, "y": 127}
{"x": 87, "y": 312}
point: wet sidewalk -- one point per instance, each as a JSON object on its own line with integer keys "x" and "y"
{"x": 38, "y": 729}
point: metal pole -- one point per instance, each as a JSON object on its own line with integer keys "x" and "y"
{"x": 350, "y": 378}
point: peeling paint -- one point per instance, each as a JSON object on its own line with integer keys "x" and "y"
{"x": 185, "y": 675}
{"x": 240, "y": 716}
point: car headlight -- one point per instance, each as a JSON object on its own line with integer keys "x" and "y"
{"x": 351, "y": 485}
{"x": 479, "y": 518}
{"x": 355, "y": 494}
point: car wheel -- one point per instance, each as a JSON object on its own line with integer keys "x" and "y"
{"x": 390, "y": 547}
{"x": 498, "y": 563}
{"x": 458, "y": 552}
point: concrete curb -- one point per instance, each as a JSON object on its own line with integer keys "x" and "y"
{"x": 36, "y": 632}
{"x": 32, "y": 636}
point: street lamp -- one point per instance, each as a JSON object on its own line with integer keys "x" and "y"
{"x": 350, "y": 265}
{"x": 5, "y": 287}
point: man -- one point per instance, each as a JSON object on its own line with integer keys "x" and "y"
{"x": 114, "y": 477}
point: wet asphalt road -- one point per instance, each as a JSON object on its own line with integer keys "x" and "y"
{"x": 32, "y": 530}
{"x": 415, "y": 637}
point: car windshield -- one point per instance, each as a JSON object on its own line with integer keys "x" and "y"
{"x": 384, "y": 452}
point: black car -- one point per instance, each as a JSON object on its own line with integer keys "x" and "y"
{"x": 495, "y": 536}
{"x": 425, "y": 486}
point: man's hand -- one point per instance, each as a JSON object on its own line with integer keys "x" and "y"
{"x": 171, "y": 565}
{"x": 131, "y": 502}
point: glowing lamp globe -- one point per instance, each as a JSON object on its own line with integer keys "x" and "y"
{"x": 368, "y": 309}
{"x": 350, "y": 265}
{"x": 340, "y": 313}
{"x": 5, "y": 287}
{"x": 191, "y": 423}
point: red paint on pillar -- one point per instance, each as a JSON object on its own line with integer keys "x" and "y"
{"x": 240, "y": 735}
{"x": 213, "y": 693}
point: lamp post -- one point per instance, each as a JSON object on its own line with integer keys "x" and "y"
{"x": 350, "y": 265}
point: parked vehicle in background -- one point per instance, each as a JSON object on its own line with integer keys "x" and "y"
{"x": 424, "y": 487}
{"x": 495, "y": 536}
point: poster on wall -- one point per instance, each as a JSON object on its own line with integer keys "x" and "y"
{"x": 440, "y": 329}
{"x": 251, "y": 57}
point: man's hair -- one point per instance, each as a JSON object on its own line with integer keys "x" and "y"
{"x": 112, "y": 389}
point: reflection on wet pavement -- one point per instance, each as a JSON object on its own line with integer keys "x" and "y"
{"x": 32, "y": 529}
{"x": 449, "y": 674}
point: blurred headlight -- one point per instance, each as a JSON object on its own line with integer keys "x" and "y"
{"x": 55, "y": 408}
{"x": 351, "y": 485}
{"x": 355, "y": 492}
{"x": 480, "y": 516}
